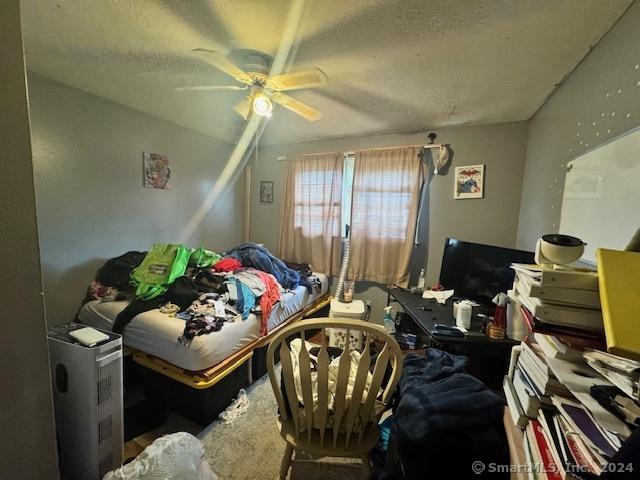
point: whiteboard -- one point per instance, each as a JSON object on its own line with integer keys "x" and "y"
{"x": 601, "y": 202}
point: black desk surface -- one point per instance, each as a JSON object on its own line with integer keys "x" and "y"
{"x": 426, "y": 312}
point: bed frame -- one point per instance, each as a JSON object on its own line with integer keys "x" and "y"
{"x": 192, "y": 393}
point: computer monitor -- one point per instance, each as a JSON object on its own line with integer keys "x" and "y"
{"x": 479, "y": 272}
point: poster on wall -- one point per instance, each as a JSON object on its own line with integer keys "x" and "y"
{"x": 266, "y": 192}
{"x": 469, "y": 182}
{"x": 155, "y": 171}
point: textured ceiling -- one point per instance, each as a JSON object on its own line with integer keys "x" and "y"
{"x": 393, "y": 66}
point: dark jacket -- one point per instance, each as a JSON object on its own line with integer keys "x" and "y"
{"x": 444, "y": 420}
{"x": 253, "y": 255}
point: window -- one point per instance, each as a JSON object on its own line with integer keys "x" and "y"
{"x": 389, "y": 185}
{"x": 315, "y": 203}
{"x": 381, "y": 203}
{"x": 374, "y": 192}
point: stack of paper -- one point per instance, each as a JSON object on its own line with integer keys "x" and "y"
{"x": 562, "y": 303}
{"x": 622, "y": 372}
{"x": 549, "y": 392}
{"x": 568, "y": 298}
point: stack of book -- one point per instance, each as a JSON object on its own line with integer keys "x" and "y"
{"x": 531, "y": 382}
{"x": 550, "y": 394}
{"x": 562, "y": 303}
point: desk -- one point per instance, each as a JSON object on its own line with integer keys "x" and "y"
{"x": 488, "y": 357}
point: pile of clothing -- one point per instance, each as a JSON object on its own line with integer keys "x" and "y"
{"x": 205, "y": 315}
{"x": 444, "y": 420}
{"x": 207, "y": 291}
{"x": 255, "y": 284}
{"x": 307, "y": 279}
{"x": 112, "y": 280}
{"x": 254, "y": 255}
{"x": 334, "y": 354}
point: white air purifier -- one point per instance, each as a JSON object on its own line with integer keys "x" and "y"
{"x": 352, "y": 310}
{"x": 87, "y": 397}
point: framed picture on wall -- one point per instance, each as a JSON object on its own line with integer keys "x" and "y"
{"x": 469, "y": 182}
{"x": 266, "y": 192}
{"x": 155, "y": 171}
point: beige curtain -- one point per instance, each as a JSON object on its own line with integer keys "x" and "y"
{"x": 386, "y": 191}
{"x": 311, "y": 212}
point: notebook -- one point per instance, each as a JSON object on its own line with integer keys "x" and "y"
{"x": 619, "y": 277}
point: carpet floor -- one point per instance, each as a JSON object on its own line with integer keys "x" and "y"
{"x": 251, "y": 448}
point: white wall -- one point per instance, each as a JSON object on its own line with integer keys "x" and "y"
{"x": 91, "y": 202}
{"x": 604, "y": 182}
{"x": 599, "y": 101}
{"x": 27, "y": 439}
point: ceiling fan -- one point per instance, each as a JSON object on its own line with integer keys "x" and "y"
{"x": 262, "y": 89}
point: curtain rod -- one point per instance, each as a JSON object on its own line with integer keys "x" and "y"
{"x": 353, "y": 152}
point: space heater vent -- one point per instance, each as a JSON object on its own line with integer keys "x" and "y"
{"x": 105, "y": 429}
{"x": 108, "y": 388}
{"x": 104, "y": 390}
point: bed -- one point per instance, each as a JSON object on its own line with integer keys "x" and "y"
{"x": 157, "y": 333}
{"x": 201, "y": 379}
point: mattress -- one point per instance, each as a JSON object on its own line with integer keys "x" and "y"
{"x": 157, "y": 333}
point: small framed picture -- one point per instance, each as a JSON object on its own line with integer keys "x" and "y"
{"x": 155, "y": 171}
{"x": 266, "y": 192}
{"x": 469, "y": 182}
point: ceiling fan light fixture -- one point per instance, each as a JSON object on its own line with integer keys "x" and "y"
{"x": 262, "y": 105}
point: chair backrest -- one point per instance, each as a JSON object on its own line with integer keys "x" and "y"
{"x": 353, "y": 405}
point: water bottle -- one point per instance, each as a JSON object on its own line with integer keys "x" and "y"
{"x": 422, "y": 279}
{"x": 389, "y": 324}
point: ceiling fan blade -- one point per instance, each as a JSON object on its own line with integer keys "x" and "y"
{"x": 311, "y": 78}
{"x": 296, "y": 106}
{"x": 221, "y": 62}
{"x": 206, "y": 88}
{"x": 243, "y": 107}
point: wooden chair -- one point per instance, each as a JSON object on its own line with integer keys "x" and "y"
{"x": 351, "y": 426}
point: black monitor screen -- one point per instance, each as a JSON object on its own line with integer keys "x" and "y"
{"x": 479, "y": 272}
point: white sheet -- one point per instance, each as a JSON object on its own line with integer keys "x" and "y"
{"x": 157, "y": 333}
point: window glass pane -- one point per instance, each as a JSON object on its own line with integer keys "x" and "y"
{"x": 389, "y": 191}
{"x": 314, "y": 205}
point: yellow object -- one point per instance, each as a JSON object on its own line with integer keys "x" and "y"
{"x": 619, "y": 279}
{"x": 191, "y": 379}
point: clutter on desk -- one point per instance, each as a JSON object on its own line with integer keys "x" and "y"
{"x": 462, "y": 311}
{"x": 422, "y": 279}
{"x": 387, "y": 321}
{"x": 447, "y": 331}
{"x": 407, "y": 341}
{"x": 516, "y": 325}
{"x": 497, "y": 327}
{"x": 495, "y": 332}
{"x": 440, "y": 296}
